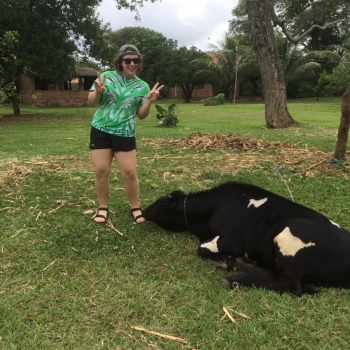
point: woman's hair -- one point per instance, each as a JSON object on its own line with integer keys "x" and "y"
{"x": 118, "y": 61}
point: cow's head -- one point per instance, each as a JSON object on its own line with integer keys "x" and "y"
{"x": 168, "y": 212}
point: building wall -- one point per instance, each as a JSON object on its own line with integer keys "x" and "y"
{"x": 66, "y": 98}
{"x": 204, "y": 92}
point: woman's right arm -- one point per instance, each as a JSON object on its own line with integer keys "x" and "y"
{"x": 94, "y": 97}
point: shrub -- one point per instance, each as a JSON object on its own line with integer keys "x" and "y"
{"x": 216, "y": 100}
{"x": 336, "y": 82}
{"x": 167, "y": 117}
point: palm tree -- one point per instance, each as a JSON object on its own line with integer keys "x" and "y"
{"x": 222, "y": 67}
{"x": 297, "y": 66}
{"x": 336, "y": 80}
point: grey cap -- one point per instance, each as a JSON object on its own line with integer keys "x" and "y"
{"x": 131, "y": 49}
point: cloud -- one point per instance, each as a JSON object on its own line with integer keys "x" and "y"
{"x": 191, "y": 22}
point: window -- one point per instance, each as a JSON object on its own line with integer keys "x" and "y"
{"x": 44, "y": 84}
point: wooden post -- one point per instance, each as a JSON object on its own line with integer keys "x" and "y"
{"x": 343, "y": 130}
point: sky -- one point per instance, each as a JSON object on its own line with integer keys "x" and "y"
{"x": 191, "y": 22}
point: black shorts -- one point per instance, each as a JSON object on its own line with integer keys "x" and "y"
{"x": 103, "y": 140}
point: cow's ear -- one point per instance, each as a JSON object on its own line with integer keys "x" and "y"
{"x": 170, "y": 201}
{"x": 177, "y": 194}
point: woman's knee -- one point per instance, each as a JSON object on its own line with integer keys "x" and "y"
{"x": 102, "y": 172}
{"x": 129, "y": 175}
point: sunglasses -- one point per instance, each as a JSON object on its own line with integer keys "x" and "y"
{"x": 129, "y": 60}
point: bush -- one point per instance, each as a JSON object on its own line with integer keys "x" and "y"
{"x": 6, "y": 91}
{"x": 167, "y": 117}
{"x": 214, "y": 101}
{"x": 336, "y": 82}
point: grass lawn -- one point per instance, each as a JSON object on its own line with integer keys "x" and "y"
{"x": 66, "y": 283}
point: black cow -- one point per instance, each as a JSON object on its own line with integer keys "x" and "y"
{"x": 296, "y": 246}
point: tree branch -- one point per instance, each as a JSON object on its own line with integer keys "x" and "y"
{"x": 309, "y": 4}
{"x": 319, "y": 27}
{"x": 282, "y": 24}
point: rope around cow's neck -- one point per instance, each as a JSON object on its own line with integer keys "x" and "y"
{"x": 185, "y": 214}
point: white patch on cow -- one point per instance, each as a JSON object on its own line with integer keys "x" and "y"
{"x": 289, "y": 244}
{"x": 257, "y": 203}
{"x": 334, "y": 223}
{"x": 212, "y": 246}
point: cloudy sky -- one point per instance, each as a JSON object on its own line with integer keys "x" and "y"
{"x": 190, "y": 22}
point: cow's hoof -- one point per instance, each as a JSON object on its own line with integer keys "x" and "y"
{"x": 225, "y": 283}
{"x": 222, "y": 266}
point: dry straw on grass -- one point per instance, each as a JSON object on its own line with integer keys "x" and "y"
{"x": 170, "y": 337}
{"x": 18, "y": 169}
{"x": 211, "y": 142}
{"x": 234, "y": 154}
{"x": 248, "y": 154}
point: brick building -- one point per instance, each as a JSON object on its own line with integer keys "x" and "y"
{"x": 199, "y": 91}
{"x": 43, "y": 92}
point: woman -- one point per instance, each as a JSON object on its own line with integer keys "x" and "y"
{"x": 121, "y": 96}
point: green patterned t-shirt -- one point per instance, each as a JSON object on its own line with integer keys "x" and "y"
{"x": 116, "y": 113}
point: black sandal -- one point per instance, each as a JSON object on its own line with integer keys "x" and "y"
{"x": 101, "y": 216}
{"x": 136, "y": 217}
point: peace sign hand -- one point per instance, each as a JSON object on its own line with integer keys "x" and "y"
{"x": 100, "y": 84}
{"x": 154, "y": 93}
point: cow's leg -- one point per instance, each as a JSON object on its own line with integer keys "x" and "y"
{"x": 216, "y": 249}
{"x": 277, "y": 281}
{"x": 232, "y": 263}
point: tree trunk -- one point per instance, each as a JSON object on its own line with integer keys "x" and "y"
{"x": 272, "y": 77}
{"x": 187, "y": 92}
{"x": 15, "y": 105}
{"x": 230, "y": 99}
{"x": 343, "y": 130}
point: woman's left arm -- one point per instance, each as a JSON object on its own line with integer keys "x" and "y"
{"x": 143, "y": 111}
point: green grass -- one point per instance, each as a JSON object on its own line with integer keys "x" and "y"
{"x": 66, "y": 283}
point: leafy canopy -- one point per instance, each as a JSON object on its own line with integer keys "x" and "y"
{"x": 132, "y": 5}
{"x": 152, "y": 45}
{"x": 7, "y": 57}
{"x": 180, "y": 67}
{"x": 49, "y": 32}
{"x": 312, "y": 24}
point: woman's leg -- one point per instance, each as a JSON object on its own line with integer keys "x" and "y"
{"x": 101, "y": 160}
{"x": 127, "y": 166}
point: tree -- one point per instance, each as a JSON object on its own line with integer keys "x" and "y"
{"x": 272, "y": 77}
{"x": 221, "y": 68}
{"x": 7, "y": 57}
{"x": 321, "y": 23}
{"x": 262, "y": 16}
{"x": 337, "y": 81}
{"x": 343, "y": 130}
{"x": 49, "y": 32}
{"x": 152, "y": 45}
{"x": 132, "y": 5}
{"x": 301, "y": 69}
{"x": 180, "y": 67}
{"x": 7, "y": 47}
{"x": 224, "y": 63}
